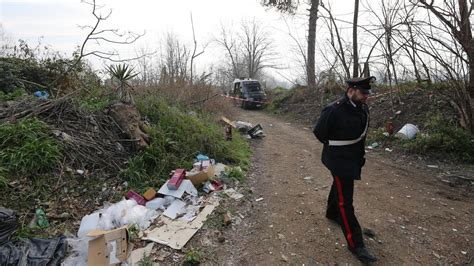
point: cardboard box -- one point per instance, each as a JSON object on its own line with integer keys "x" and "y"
{"x": 108, "y": 247}
{"x": 176, "y": 179}
{"x": 150, "y": 194}
{"x": 200, "y": 177}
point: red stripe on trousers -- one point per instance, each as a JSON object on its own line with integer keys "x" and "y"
{"x": 343, "y": 212}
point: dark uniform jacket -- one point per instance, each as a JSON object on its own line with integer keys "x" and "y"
{"x": 340, "y": 120}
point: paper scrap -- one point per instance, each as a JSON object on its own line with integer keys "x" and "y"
{"x": 186, "y": 186}
{"x": 176, "y": 208}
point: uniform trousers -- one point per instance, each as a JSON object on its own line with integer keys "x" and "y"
{"x": 341, "y": 210}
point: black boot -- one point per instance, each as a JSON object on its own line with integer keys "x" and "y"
{"x": 332, "y": 218}
{"x": 363, "y": 255}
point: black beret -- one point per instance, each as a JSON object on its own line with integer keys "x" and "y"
{"x": 362, "y": 84}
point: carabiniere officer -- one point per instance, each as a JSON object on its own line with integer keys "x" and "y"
{"x": 342, "y": 128}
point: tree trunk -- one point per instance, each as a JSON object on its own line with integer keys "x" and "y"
{"x": 355, "y": 71}
{"x": 311, "y": 66}
{"x": 470, "y": 89}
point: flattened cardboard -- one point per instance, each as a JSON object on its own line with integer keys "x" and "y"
{"x": 176, "y": 233}
{"x": 108, "y": 247}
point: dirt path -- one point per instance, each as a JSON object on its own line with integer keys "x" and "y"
{"x": 416, "y": 219}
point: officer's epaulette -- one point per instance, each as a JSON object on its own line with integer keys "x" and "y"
{"x": 338, "y": 103}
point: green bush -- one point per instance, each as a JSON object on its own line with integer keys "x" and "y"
{"x": 15, "y": 94}
{"x": 94, "y": 100}
{"x": 443, "y": 136}
{"x": 192, "y": 257}
{"x": 176, "y": 138}
{"x": 26, "y": 148}
{"x": 376, "y": 135}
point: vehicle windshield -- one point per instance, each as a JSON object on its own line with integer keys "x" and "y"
{"x": 253, "y": 86}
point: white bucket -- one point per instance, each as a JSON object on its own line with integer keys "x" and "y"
{"x": 408, "y": 131}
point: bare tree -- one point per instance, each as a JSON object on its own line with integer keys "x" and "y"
{"x": 249, "y": 50}
{"x": 174, "y": 61}
{"x": 338, "y": 48}
{"x": 289, "y": 6}
{"x": 100, "y": 36}
{"x": 257, "y": 47}
{"x": 455, "y": 16}
{"x": 227, "y": 41}
{"x": 194, "y": 55}
{"x": 355, "y": 53}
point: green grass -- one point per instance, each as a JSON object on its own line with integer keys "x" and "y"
{"x": 176, "y": 138}
{"x": 12, "y": 96}
{"x": 26, "y": 148}
{"x": 192, "y": 257}
{"x": 94, "y": 100}
{"x": 441, "y": 136}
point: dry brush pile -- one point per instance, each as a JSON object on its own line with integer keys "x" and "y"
{"x": 91, "y": 141}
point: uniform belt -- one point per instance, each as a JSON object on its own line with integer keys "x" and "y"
{"x": 350, "y": 141}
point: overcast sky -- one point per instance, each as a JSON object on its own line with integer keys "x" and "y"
{"x": 56, "y": 22}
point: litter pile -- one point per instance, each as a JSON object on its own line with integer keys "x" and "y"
{"x": 90, "y": 141}
{"x": 34, "y": 251}
{"x": 246, "y": 128}
{"x": 169, "y": 216}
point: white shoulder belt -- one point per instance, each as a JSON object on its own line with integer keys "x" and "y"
{"x": 351, "y": 141}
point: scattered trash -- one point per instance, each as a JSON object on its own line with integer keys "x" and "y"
{"x": 108, "y": 247}
{"x": 233, "y": 194}
{"x": 8, "y": 224}
{"x": 157, "y": 203}
{"x": 398, "y": 112}
{"x": 140, "y": 253}
{"x": 81, "y": 172}
{"x": 464, "y": 252}
{"x": 432, "y": 166}
{"x": 34, "y": 251}
{"x": 136, "y": 197}
{"x": 41, "y": 220}
{"x": 122, "y": 213}
{"x": 308, "y": 178}
{"x": 388, "y": 149}
{"x": 176, "y": 208}
{"x": 176, "y": 179}
{"x": 386, "y": 134}
{"x": 373, "y": 145}
{"x": 228, "y": 122}
{"x": 202, "y": 157}
{"x": 243, "y": 127}
{"x": 408, "y": 131}
{"x": 186, "y": 186}
{"x": 259, "y": 199}
{"x": 211, "y": 186}
{"x": 149, "y": 194}
{"x": 176, "y": 233}
{"x": 256, "y": 131}
{"x": 198, "y": 177}
{"x": 42, "y": 94}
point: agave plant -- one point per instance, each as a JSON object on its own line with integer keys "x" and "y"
{"x": 122, "y": 74}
